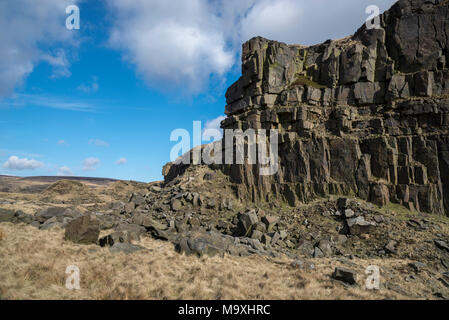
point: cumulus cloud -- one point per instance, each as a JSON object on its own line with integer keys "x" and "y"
{"x": 27, "y": 28}
{"x": 185, "y": 42}
{"x": 121, "y": 161}
{"x": 171, "y": 42}
{"x": 90, "y": 164}
{"x": 16, "y": 163}
{"x": 98, "y": 143}
{"x": 65, "y": 171}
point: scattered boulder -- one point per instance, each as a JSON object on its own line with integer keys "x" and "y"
{"x": 442, "y": 245}
{"x": 342, "y": 204}
{"x": 49, "y": 213}
{"x": 270, "y": 222}
{"x": 115, "y": 237}
{"x": 83, "y": 230}
{"x": 359, "y": 225}
{"x": 126, "y": 248}
{"x": 130, "y": 207}
{"x": 6, "y": 215}
{"x": 417, "y": 266}
{"x": 175, "y": 204}
{"x": 246, "y": 221}
{"x": 345, "y": 275}
{"x": 349, "y": 213}
{"x": 325, "y": 247}
{"x": 134, "y": 230}
{"x": 390, "y": 247}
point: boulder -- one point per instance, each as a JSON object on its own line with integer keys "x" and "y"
{"x": 442, "y": 245}
{"x": 126, "y": 248}
{"x": 6, "y": 215}
{"x": 359, "y": 225}
{"x": 130, "y": 207}
{"x": 270, "y": 222}
{"x": 175, "y": 204}
{"x": 246, "y": 221}
{"x": 57, "y": 212}
{"x": 345, "y": 275}
{"x": 134, "y": 230}
{"x": 115, "y": 237}
{"x": 83, "y": 230}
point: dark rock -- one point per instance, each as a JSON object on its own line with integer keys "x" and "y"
{"x": 417, "y": 266}
{"x": 270, "y": 222}
{"x": 115, "y": 237}
{"x": 246, "y": 221}
{"x": 58, "y": 212}
{"x": 345, "y": 275}
{"x": 83, "y": 230}
{"x": 390, "y": 247}
{"x": 126, "y": 248}
{"x": 442, "y": 245}
{"x": 6, "y": 215}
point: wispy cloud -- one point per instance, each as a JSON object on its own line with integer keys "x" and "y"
{"x": 90, "y": 164}
{"x": 121, "y": 161}
{"x": 64, "y": 171}
{"x": 90, "y": 87}
{"x": 62, "y": 143}
{"x": 59, "y": 62}
{"x": 23, "y": 100}
{"x": 98, "y": 143}
{"x": 16, "y": 163}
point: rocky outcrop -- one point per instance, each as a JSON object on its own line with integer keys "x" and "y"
{"x": 365, "y": 116}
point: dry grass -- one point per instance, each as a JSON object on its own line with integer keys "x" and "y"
{"x": 1, "y": 235}
{"x": 34, "y": 263}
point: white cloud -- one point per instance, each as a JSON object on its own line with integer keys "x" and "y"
{"x": 59, "y": 62}
{"x": 214, "y": 123}
{"x": 172, "y": 43}
{"x": 121, "y": 161}
{"x": 64, "y": 171}
{"x": 15, "y": 163}
{"x": 27, "y": 27}
{"x": 90, "y": 164}
{"x": 90, "y": 87}
{"x": 62, "y": 143}
{"x": 213, "y": 126}
{"x": 98, "y": 143}
{"x": 183, "y": 43}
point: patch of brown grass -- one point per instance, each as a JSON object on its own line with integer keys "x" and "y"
{"x": 34, "y": 264}
{"x": 1, "y": 235}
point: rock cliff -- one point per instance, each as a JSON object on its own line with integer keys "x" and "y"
{"x": 365, "y": 116}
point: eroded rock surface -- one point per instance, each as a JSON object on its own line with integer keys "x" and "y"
{"x": 366, "y": 115}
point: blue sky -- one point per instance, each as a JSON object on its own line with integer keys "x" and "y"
{"x": 102, "y": 100}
